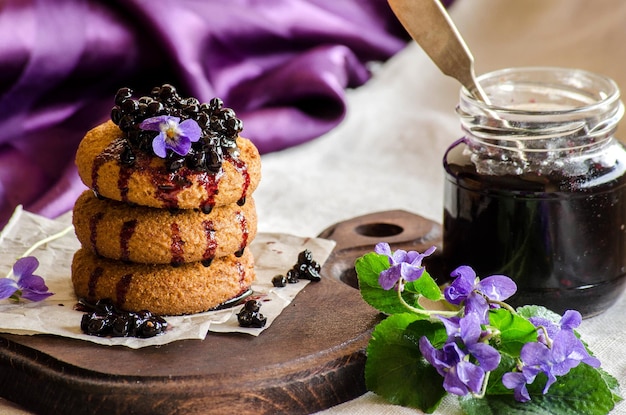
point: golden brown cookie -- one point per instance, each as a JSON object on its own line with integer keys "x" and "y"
{"x": 162, "y": 289}
{"x": 148, "y": 182}
{"x": 148, "y": 235}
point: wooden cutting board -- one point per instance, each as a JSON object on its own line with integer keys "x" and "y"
{"x": 311, "y": 358}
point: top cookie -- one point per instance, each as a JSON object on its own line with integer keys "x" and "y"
{"x": 167, "y": 152}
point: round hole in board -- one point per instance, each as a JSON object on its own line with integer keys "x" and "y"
{"x": 379, "y": 229}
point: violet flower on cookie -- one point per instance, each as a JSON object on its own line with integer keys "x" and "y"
{"x": 173, "y": 134}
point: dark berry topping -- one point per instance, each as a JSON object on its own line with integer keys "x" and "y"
{"x": 279, "y": 281}
{"x": 305, "y": 269}
{"x": 105, "y": 320}
{"x": 249, "y": 315}
{"x": 220, "y": 126}
{"x": 293, "y": 276}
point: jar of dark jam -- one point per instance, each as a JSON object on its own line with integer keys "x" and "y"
{"x": 536, "y": 188}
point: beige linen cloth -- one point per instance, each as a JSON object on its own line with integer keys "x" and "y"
{"x": 387, "y": 153}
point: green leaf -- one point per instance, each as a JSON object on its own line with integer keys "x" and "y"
{"x": 396, "y": 370}
{"x": 515, "y": 330}
{"x": 583, "y": 391}
{"x": 528, "y": 311}
{"x": 612, "y": 384}
{"x": 368, "y": 267}
{"x": 435, "y": 332}
{"x": 426, "y": 286}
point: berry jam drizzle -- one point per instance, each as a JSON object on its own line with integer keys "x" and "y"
{"x": 243, "y": 223}
{"x": 176, "y": 246}
{"x": 210, "y": 182}
{"x": 128, "y": 229}
{"x": 93, "y": 230}
{"x": 93, "y": 281}
{"x": 110, "y": 153}
{"x": 242, "y": 168}
{"x": 121, "y": 289}
{"x": 168, "y": 186}
{"x": 211, "y": 243}
{"x": 122, "y": 182}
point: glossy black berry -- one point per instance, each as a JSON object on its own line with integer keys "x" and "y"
{"x": 252, "y": 305}
{"x": 306, "y": 268}
{"x": 129, "y": 106}
{"x": 311, "y": 274}
{"x": 220, "y": 127}
{"x": 293, "y": 276}
{"x": 249, "y": 315}
{"x": 305, "y": 257}
{"x": 155, "y": 108}
{"x": 214, "y": 159}
{"x": 215, "y": 104}
{"x": 149, "y": 327}
{"x": 120, "y": 326}
{"x": 122, "y": 94}
{"x": 96, "y": 324}
{"x": 279, "y": 281}
{"x": 116, "y": 114}
{"x": 104, "y": 319}
{"x": 127, "y": 156}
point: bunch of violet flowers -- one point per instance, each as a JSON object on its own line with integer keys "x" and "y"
{"x": 491, "y": 356}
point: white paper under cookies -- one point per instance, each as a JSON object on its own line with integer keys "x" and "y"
{"x": 274, "y": 254}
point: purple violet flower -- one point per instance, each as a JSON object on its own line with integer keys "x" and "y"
{"x": 571, "y": 319}
{"x": 467, "y": 288}
{"x": 173, "y": 134}
{"x": 452, "y": 361}
{"x": 29, "y": 286}
{"x": 555, "y": 354}
{"x": 405, "y": 265}
{"x": 517, "y": 381}
{"x": 460, "y": 377}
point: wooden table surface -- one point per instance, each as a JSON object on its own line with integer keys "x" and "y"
{"x": 311, "y": 358}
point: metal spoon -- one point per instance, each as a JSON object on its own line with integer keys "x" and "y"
{"x": 431, "y": 27}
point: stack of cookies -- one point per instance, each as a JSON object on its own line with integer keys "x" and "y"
{"x": 169, "y": 215}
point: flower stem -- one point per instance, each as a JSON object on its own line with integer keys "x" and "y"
{"x": 545, "y": 333}
{"x": 503, "y": 305}
{"x": 422, "y": 312}
{"x": 46, "y": 240}
{"x": 40, "y": 243}
{"x": 483, "y": 389}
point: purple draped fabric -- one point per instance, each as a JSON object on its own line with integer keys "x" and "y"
{"x": 282, "y": 65}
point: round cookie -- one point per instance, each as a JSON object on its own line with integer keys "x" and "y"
{"x": 148, "y": 182}
{"x": 161, "y": 289}
{"x": 148, "y": 235}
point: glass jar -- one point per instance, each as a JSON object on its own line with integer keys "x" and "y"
{"x": 536, "y": 188}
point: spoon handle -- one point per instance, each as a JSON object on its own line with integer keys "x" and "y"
{"x": 431, "y": 27}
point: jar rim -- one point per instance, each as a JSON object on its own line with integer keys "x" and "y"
{"x": 571, "y": 78}
{"x": 538, "y": 115}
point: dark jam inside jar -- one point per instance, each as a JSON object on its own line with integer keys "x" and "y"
{"x": 561, "y": 236}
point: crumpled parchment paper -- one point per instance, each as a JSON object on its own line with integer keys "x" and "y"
{"x": 274, "y": 254}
